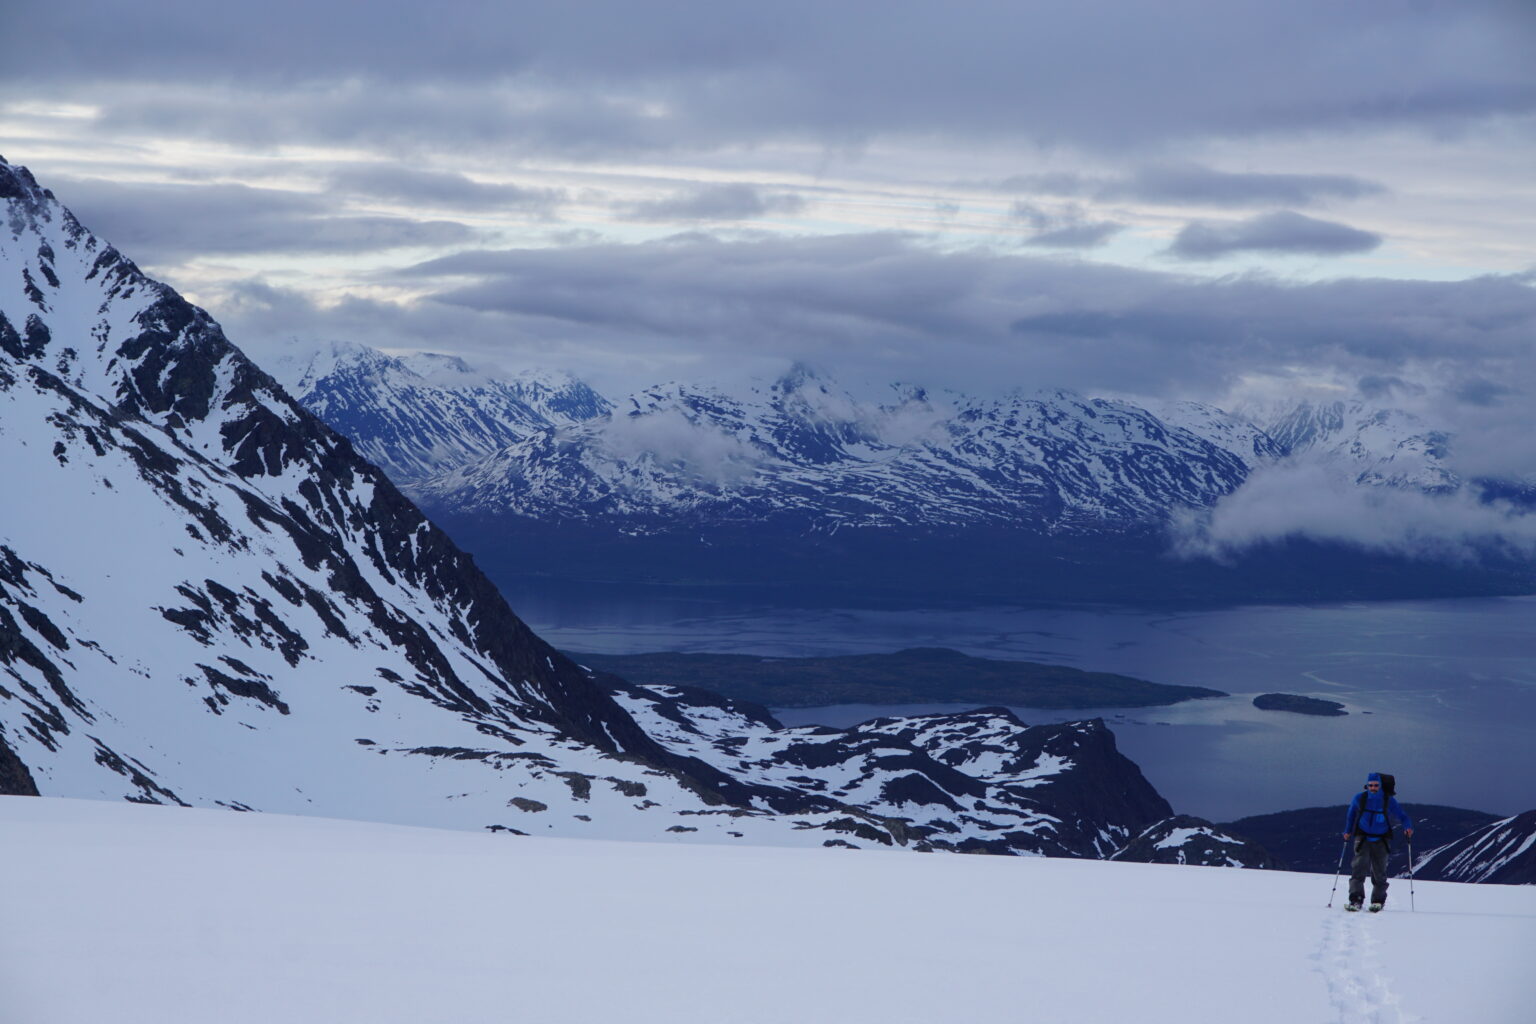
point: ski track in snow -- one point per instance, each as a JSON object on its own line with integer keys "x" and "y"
{"x": 1358, "y": 986}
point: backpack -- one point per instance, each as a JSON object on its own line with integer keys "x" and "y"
{"x": 1388, "y": 791}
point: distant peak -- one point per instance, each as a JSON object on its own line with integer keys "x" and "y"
{"x": 797, "y": 377}
{"x": 25, "y": 195}
{"x": 440, "y": 367}
{"x": 438, "y": 359}
{"x": 300, "y": 366}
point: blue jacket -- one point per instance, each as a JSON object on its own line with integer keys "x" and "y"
{"x": 1369, "y": 818}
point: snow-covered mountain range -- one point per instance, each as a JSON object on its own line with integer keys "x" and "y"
{"x": 208, "y": 598}
{"x": 548, "y": 447}
{"x": 794, "y": 482}
{"x": 798, "y": 449}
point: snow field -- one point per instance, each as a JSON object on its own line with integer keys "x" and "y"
{"x": 143, "y": 914}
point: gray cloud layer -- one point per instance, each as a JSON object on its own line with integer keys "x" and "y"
{"x": 1282, "y": 232}
{"x": 716, "y": 203}
{"x": 1307, "y": 499}
{"x": 1194, "y": 183}
{"x": 169, "y": 223}
{"x": 614, "y": 75}
{"x": 1086, "y": 235}
{"x": 435, "y": 188}
{"x": 1191, "y": 183}
{"x": 1068, "y": 228}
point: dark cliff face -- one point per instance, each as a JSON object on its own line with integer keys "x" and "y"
{"x": 15, "y": 779}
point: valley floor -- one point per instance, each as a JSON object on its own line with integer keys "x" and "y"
{"x": 141, "y": 914}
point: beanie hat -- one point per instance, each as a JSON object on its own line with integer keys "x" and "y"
{"x": 1373, "y": 777}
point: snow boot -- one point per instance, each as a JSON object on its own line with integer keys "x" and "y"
{"x": 1376, "y": 907}
{"x": 1352, "y": 907}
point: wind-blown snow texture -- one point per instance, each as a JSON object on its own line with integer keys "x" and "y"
{"x": 208, "y": 598}
{"x": 144, "y": 915}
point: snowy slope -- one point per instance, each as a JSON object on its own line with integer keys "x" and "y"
{"x": 110, "y": 917}
{"x": 1230, "y": 431}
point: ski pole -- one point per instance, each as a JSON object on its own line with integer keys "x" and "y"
{"x": 1339, "y": 872}
{"x": 1411, "y": 905}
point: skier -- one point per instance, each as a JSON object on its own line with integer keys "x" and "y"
{"x": 1369, "y": 824}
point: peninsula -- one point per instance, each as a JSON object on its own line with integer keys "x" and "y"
{"x": 922, "y": 675}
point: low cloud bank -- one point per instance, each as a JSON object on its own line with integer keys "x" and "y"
{"x": 672, "y": 440}
{"x": 1319, "y": 502}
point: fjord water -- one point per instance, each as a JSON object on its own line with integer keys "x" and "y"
{"x": 1443, "y": 693}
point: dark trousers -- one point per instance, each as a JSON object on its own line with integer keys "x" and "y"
{"x": 1369, "y": 857}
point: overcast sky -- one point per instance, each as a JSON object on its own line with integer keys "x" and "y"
{"x": 1221, "y": 200}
